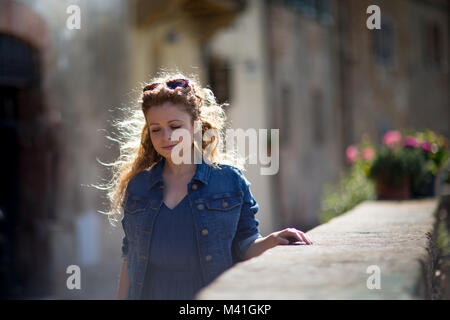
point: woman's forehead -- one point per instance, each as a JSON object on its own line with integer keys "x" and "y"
{"x": 165, "y": 113}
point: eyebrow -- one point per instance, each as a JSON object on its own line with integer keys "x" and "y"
{"x": 152, "y": 123}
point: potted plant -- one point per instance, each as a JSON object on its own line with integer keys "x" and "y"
{"x": 396, "y": 166}
{"x": 435, "y": 149}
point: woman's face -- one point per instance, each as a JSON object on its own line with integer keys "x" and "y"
{"x": 162, "y": 121}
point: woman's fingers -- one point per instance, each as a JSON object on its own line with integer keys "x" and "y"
{"x": 284, "y": 236}
{"x": 291, "y": 236}
{"x": 305, "y": 237}
{"x": 297, "y": 234}
{"x": 283, "y": 240}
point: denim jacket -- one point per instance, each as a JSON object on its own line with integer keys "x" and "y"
{"x": 223, "y": 211}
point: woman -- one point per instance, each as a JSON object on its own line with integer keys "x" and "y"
{"x": 184, "y": 222}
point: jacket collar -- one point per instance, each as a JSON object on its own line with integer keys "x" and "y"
{"x": 201, "y": 173}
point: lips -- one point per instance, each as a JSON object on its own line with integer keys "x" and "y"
{"x": 169, "y": 147}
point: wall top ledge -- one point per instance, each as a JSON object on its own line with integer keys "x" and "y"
{"x": 392, "y": 237}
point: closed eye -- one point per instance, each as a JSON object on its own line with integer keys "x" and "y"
{"x": 173, "y": 128}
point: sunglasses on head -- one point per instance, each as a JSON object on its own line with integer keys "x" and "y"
{"x": 171, "y": 84}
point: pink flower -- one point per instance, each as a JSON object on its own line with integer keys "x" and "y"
{"x": 392, "y": 137}
{"x": 434, "y": 147}
{"x": 411, "y": 142}
{"x": 426, "y": 146}
{"x": 352, "y": 154}
{"x": 368, "y": 153}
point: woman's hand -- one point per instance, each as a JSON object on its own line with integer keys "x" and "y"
{"x": 290, "y": 236}
{"x": 286, "y": 236}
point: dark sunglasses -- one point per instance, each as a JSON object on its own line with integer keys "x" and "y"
{"x": 172, "y": 84}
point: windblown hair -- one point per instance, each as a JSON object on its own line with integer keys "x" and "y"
{"x": 136, "y": 149}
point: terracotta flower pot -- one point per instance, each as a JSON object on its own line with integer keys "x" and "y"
{"x": 386, "y": 191}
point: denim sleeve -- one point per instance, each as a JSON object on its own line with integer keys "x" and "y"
{"x": 124, "y": 247}
{"x": 247, "y": 229}
{"x": 124, "y": 243}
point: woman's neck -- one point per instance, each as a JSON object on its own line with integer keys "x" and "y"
{"x": 179, "y": 170}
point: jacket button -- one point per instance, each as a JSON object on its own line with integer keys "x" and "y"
{"x": 200, "y": 207}
{"x": 194, "y": 187}
{"x": 204, "y": 232}
{"x": 208, "y": 258}
{"x": 224, "y": 204}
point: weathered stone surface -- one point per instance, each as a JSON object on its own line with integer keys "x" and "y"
{"x": 396, "y": 236}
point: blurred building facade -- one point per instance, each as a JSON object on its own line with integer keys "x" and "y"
{"x": 29, "y": 148}
{"x": 334, "y": 80}
{"x": 308, "y": 67}
{"x": 57, "y": 85}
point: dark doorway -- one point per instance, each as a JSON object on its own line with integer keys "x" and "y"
{"x": 24, "y": 245}
{"x": 9, "y": 189}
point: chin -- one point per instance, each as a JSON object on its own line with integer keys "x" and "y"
{"x": 166, "y": 154}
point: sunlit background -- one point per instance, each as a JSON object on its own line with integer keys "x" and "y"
{"x": 311, "y": 68}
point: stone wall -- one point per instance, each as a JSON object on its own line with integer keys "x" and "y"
{"x": 392, "y": 239}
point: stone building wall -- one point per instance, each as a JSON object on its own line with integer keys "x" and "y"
{"x": 333, "y": 81}
{"x": 407, "y": 88}
{"x": 304, "y": 91}
{"x": 82, "y": 75}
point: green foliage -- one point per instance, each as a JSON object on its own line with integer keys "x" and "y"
{"x": 393, "y": 166}
{"x": 443, "y": 239}
{"x": 440, "y": 155}
{"x": 446, "y": 173}
{"x": 353, "y": 188}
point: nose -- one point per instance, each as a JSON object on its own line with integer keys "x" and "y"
{"x": 167, "y": 133}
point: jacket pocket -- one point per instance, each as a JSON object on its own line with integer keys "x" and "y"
{"x": 133, "y": 216}
{"x": 222, "y": 214}
{"x": 135, "y": 205}
{"x": 224, "y": 202}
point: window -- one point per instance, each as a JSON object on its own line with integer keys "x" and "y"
{"x": 286, "y": 114}
{"x": 383, "y": 43}
{"x": 219, "y": 78}
{"x": 18, "y": 63}
{"x": 432, "y": 45}
{"x": 318, "y": 9}
{"x": 318, "y": 120}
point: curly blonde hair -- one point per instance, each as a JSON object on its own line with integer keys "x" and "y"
{"x": 136, "y": 149}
